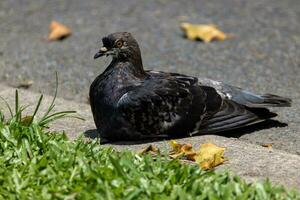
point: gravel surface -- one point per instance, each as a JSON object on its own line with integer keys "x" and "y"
{"x": 263, "y": 55}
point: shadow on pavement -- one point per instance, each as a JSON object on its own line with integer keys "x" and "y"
{"x": 236, "y": 133}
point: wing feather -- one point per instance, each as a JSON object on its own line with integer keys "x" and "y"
{"x": 156, "y": 106}
{"x": 245, "y": 97}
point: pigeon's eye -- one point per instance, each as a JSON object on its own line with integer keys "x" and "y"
{"x": 119, "y": 44}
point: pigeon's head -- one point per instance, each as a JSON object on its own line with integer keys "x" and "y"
{"x": 119, "y": 45}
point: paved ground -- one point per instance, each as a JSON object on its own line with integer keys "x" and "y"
{"x": 263, "y": 56}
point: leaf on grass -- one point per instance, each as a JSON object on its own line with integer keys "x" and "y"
{"x": 205, "y": 32}
{"x": 58, "y": 31}
{"x": 26, "y": 121}
{"x": 25, "y": 84}
{"x": 209, "y": 156}
{"x": 149, "y": 149}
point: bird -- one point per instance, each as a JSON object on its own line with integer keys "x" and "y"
{"x": 129, "y": 103}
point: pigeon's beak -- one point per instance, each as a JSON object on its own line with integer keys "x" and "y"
{"x": 102, "y": 52}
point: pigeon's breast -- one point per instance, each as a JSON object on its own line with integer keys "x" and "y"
{"x": 108, "y": 88}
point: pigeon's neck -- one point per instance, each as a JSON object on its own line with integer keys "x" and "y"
{"x": 134, "y": 64}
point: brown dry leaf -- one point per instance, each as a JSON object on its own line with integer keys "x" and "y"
{"x": 209, "y": 156}
{"x": 205, "y": 32}
{"x": 149, "y": 149}
{"x": 25, "y": 121}
{"x": 25, "y": 84}
{"x": 269, "y": 145}
{"x": 176, "y": 147}
{"x": 58, "y": 31}
{"x": 179, "y": 150}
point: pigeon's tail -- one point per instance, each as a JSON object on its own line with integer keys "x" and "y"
{"x": 233, "y": 116}
{"x": 275, "y": 101}
{"x": 251, "y": 99}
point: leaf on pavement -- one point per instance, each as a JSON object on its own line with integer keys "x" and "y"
{"x": 209, "y": 156}
{"x": 58, "y": 31}
{"x": 204, "y": 32}
{"x": 269, "y": 145}
{"x": 25, "y": 84}
{"x": 149, "y": 149}
{"x": 181, "y": 150}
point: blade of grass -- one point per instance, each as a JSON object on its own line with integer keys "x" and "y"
{"x": 50, "y": 108}
{"x": 36, "y": 108}
{"x": 56, "y": 117}
{"x": 17, "y": 105}
{"x": 8, "y": 106}
{"x": 1, "y": 117}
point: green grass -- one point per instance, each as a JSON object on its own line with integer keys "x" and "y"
{"x": 37, "y": 164}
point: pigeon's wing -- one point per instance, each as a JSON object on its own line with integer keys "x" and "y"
{"x": 163, "y": 105}
{"x": 231, "y": 116}
{"x": 245, "y": 97}
{"x": 222, "y": 112}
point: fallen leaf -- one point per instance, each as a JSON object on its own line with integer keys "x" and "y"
{"x": 209, "y": 156}
{"x": 25, "y": 84}
{"x": 179, "y": 150}
{"x": 269, "y": 145}
{"x": 149, "y": 149}
{"x": 58, "y": 31}
{"x": 175, "y": 146}
{"x": 205, "y": 32}
{"x": 25, "y": 121}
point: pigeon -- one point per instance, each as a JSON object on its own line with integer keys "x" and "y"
{"x": 130, "y": 103}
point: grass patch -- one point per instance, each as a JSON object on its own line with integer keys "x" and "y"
{"x": 37, "y": 164}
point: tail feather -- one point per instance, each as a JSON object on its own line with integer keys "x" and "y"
{"x": 276, "y": 101}
{"x": 250, "y": 99}
{"x": 234, "y": 116}
{"x": 259, "y": 101}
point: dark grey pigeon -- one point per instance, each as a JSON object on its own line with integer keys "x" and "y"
{"x": 130, "y": 103}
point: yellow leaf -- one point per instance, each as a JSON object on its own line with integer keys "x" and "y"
{"x": 180, "y": 150}
{"x": 209, "y": 156}
{"x": 58, "y": 31}
{"x": 175, "y": 145}
{"x": 205, "y": 32}
{"x": 149, "y": 149}
{"x": 176, "y": 149}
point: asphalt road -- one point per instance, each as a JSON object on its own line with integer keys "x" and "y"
{"x": 263, "y": 55}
